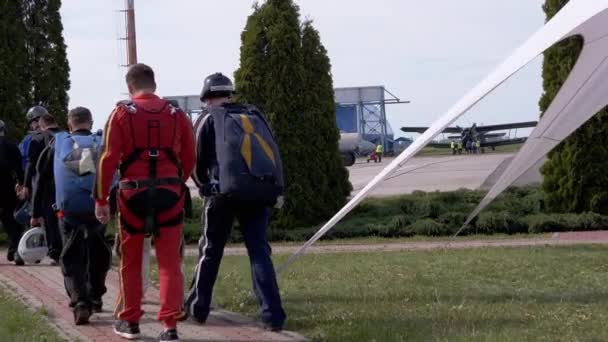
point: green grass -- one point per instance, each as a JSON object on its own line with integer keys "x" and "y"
{"x": 18, "y": 324}
{"x": 375, "y": 240}
{"x": 501, "y": 294}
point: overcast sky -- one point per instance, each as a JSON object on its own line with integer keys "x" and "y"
{"x": 430, "y": 52}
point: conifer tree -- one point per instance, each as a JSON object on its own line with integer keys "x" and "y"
{"x": 575, "y": 177}
{"x": 13, "y": 66}
{"x": 47, "y": 58}
{"x": 274, "y": 75}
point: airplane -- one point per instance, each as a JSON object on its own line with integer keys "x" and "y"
{"x": 352, "y": 145}
{"x": 475, "y": 133}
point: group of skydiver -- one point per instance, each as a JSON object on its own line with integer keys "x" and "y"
{"x": 470, "y": 146}
{"x": 147, "y": 152}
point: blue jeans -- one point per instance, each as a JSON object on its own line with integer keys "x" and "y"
{"x": 218, "y": 218}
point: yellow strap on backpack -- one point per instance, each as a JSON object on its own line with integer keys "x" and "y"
{"x": 246, "y": 150}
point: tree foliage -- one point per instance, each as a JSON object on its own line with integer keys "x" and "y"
{"x": 33, "y": 61}
{"x": 13, "y": 66}
{"x": 47, "y": 57}
{"x": 285, "y": 71}
{"x": 575, "y": 179}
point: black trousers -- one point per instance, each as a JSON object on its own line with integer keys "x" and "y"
{"x": 218, "y": 219}
{"x": 85, "y": 261}
{"x": 51, "y": 227}
{"x": 14, "y": 230}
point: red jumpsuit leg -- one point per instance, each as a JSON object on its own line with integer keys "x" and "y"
{"x": 129, "y": 300}
{"x": 168, "y": 255}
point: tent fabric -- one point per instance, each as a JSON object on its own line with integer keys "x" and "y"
{"x": 577, "y": 17}
{"x": 584, "y": 94}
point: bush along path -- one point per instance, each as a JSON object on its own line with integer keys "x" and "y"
{"x": 517, "y": 211}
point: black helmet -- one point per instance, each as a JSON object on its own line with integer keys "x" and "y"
{"x": 217, "y": 85}
{"x": 2, "y": 127}
{"x": 36, "y": 113}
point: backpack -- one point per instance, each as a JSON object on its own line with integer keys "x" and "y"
{"x": 75, "y": 164}
{"x": 249, "y": 162}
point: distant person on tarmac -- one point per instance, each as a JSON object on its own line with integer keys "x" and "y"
{"x": 11, "y": 176}
{"x": 379, "y": 152}
{"x": 44, "y": 187}
{"x": 71, "y": 159}
{"x": 153, "y": 143}
{"x": 239, "y": 180}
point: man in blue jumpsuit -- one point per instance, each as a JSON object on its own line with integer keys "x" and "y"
{"x": 219, "y": 214}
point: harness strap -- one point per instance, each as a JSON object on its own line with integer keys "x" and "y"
{"x": 151, "y": 222}
{"x": 177, "y": 220}
{"x": 131, "y": 158}
{"x": 142, "y": 184}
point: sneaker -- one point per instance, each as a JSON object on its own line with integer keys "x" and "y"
{"x": 127, "y": 330}
{"x": 18, "y": 260}
{"x": 82, "y": 313}
{"x": 169, "y": 336}
{"x": 273, "y": 327}
{"x": 97, "y": 306}
{"x": 10, "y": 256}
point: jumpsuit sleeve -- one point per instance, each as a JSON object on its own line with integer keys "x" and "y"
{"x": 33, "y": 153}
{"x": 201, "y": 171}
{"x": 187, "y": 156}
{"x": 109, "y": 158}
{"x": 44, "y": 168}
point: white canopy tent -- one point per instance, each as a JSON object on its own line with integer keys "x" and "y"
{"x": 583, "y": 95}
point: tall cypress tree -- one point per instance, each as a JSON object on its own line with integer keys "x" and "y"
{"x": 13, "y": 66}
{"x": 575, "y": 177}
{"x": 273, "y": 75}
{"x": 47, "y": 58}
{"x": 330, "y": 176}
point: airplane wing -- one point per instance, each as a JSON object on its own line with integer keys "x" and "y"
{"x": 423, "y": 129}
{"x": 530, "y": 124}
{"x": 514, "y": 141}
{"x": 494, "y": 135}
{"x": 439, "y": 145}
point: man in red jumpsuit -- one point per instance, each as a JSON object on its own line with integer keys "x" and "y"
{"x": 152, "y": 144}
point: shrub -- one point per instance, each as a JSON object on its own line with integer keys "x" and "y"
{"x": 453, "y": 219}
{"x": 428, "y": 227}
{"x": 499, "y": 223}
{"x": 544, "y": 223}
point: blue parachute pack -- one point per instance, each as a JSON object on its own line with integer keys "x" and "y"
{"x": 250, "y": 167}
{"x": 75, "y": 164}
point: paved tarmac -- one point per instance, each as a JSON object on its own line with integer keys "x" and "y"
{"x": 442, "y": 173}
{"x": 445, "y": 173}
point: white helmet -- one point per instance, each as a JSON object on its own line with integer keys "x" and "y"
{"x": 32, "y": 247}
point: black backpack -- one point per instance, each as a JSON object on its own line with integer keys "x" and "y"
{"x": 249, "y": 162}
